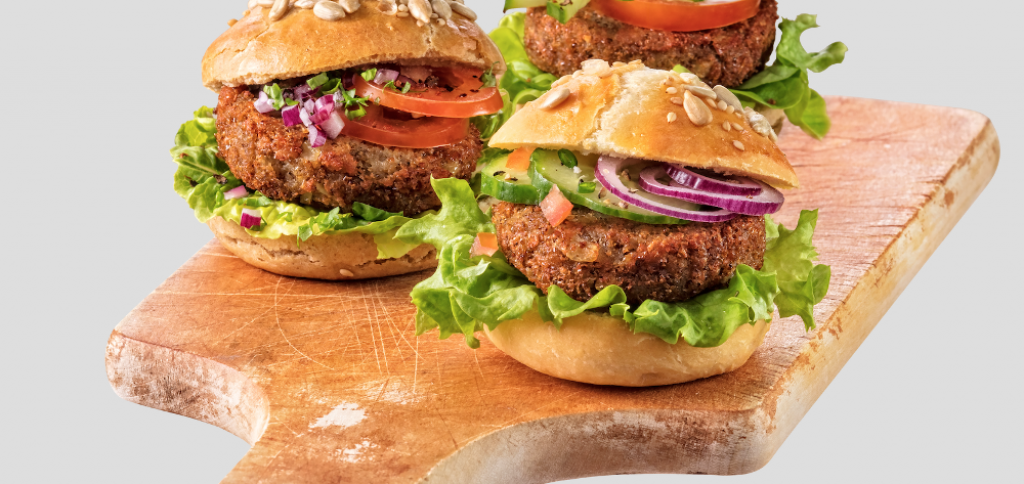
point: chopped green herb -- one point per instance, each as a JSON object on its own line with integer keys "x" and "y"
{"x": 568, "y": 159}
{"x": 276, "y": 95}
{"x": 318, "y": 80}
{"x": 369, "y": 74}
{"x": 588, "y": 187}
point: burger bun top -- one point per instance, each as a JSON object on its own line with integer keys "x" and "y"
{"x": 257, "y": 50}
{"x": 631, "y": 111}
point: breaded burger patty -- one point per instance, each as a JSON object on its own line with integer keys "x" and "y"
{"x": 590, "y": 251}
{"x": 277, "y": 161}
{"x": 728, "y": 56}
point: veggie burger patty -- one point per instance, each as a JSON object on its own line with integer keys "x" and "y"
{"x": 727, "y": 56}
{"x": 269, "y": 157}
{"x": 590, "y": 251}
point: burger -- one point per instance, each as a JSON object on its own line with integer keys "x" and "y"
{"x": 332, "y": 118}
{"x": 724, "y": 42}
{"x": 622, "y": 234}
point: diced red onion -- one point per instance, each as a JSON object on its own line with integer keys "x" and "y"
{"x": 768, "y": 201}
{"x": 324, "y": 108}
{"x": 310, "y": 106}
{"x": 251, "y": 218}
{"x": 290, "y": 116}
{"x": 316, "y": 137}
{"x": 607, "y": 172}
{"x": 333, "y": 126}
{"x": 385, "y": 75}
{"x": 304, "y": 116}
{"x": 302, "y": 92}
{"x": 712, "y": 184}
{"x": 237, "y": 192}
{"x": 263, "y": 104}
{"x": 418, "y": 73}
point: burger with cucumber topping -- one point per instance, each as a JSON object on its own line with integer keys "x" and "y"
{"x": 620, "y": 233}
{"x": 332, "y": 118}
{"x": 726, "y": 42}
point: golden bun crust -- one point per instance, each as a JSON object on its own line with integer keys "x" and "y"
{"x": 601, "y": 350}
{"x": 256, "y": 50}
{"x": 328, "y": 257}
{"x": 637, "y": 112}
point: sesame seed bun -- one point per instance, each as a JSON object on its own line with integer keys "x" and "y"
{"x": 328, "y": 257}
{"x": 257, "y": 50}
{"x": 632, "y": 111}
{"x": 600, "y": 349}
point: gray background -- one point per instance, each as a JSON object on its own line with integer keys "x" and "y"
{"x": 94, "y": 91}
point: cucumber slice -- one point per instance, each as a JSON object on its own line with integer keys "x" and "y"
{"x": 524, "y": 3}
{"x": 498, "y": 181}
{"x": 563, "y": 13}
{"x": 547, "y": 170}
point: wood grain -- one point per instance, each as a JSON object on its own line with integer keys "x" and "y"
{"x": 328, "y": 383}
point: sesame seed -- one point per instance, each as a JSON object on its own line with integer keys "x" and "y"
{"x": 672, "y": 117}
{"x": 730, "y": 110}
{"x": 678, "y": 101}
{"x": 737, "y": 127}
{"x": 723, "y": 105}
{"x": 738, "y": 145}
{"x": 726, "y": 126}
{"x": 711, "y": 104}
{"x": 672, "y": 90}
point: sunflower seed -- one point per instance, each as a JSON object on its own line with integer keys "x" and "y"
{"x": 328, "y": 11}
{"x": 703, "y": 91}
{"x": 442, "y": 9}
{"x": 388, "y": 8}
{"x": 306, "y": 4}
{"x": 759, "y": 123}
{"x": 726, "y": 95}
{"x": 420, "y": 10}
{"x": 554, "y": 98}
{"x": 463, "y": 10}
{"x": 738, "y": 145}
{"x": 350, "y": 6}
{"x": 687, "y": 78}
{"x": 253, "y": 4}
{"x": 265, "y": 3}
{"x": 697, "y": 111}
{"x": 596, "y": 67}
{"x": 278, "y": 10}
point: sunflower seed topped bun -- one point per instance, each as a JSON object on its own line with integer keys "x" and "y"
{"x": 631, "y": 111}
{"x": 259, "y": 48}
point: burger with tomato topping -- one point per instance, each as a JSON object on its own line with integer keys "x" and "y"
{"x": 724, "y": 42}
{"x": 625, "y": 236}
{"x": 332, "y": 118}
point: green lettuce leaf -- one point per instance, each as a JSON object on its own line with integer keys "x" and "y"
{"x": 785, "y": 85}
{"x": 522, "y": 83}
{"x": 465, "y": 293}
{"x": 202, "y": 178}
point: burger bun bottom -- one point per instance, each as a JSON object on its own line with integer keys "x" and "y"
{"x": 328, "y": 257}
{"x": 601, "y": 350}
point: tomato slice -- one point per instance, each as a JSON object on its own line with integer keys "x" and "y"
{"x": 679, "y": 15}
{"x": 458, "y": 94}
{"x": 392, "y": 128}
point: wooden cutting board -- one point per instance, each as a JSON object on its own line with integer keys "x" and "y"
{"x": 329, "y": 384}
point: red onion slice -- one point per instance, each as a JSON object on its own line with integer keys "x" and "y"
{"x": 324, "y": 109}
{"x": 692, "y": 178}
{"x": 768, "y": 201}
{"x": 290, "y": 116}
{"x": 237, "y": 192}
{"x": 607, "y": 172}
{"x": 263, "y": 104}
{"x": 251, "y": 218}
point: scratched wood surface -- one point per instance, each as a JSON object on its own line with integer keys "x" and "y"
{"x": 329, "y": 384}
